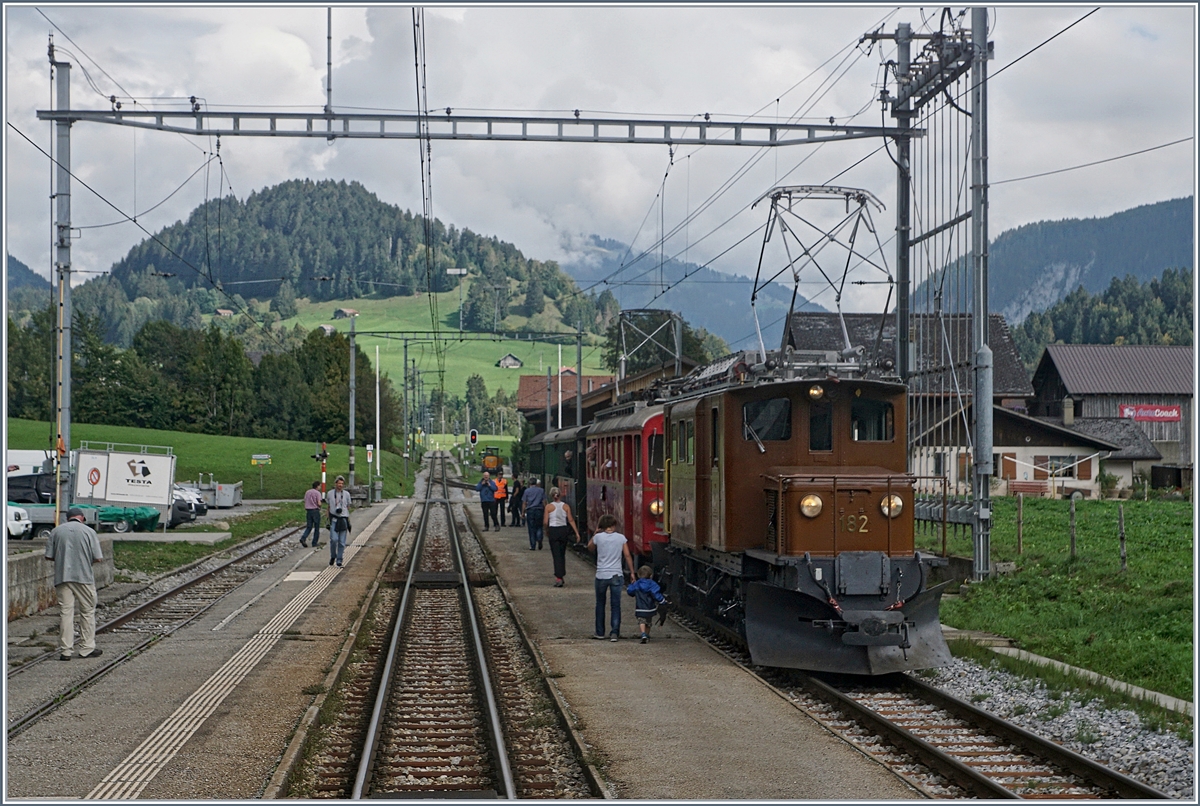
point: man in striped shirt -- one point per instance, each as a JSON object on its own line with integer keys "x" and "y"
{"x": 312, "y": 513}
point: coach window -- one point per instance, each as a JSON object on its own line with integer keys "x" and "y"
{"x": 655, "y": 449}
{"x": 820, "y": 426}
{"x": 871, "y": 420}
{"x": 765, "y": 420}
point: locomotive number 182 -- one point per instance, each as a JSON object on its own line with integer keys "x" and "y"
{"x": 853, "y": 522}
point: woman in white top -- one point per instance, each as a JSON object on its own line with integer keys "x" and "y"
{"x": 558, "y": 523}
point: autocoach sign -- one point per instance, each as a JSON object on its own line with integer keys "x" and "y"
{"x": 1151, "y": 413}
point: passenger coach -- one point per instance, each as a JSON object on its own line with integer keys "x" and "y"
{"x": 625, "y": 475}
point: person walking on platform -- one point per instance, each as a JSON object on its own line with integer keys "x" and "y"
{"x": 312, "y": 514}
{"x": 515, "y": 492}
{"x": 533, "y": 502}
{"x": 338, "y": 500}
{"x": 647, "y": 597}
{"x": 487, "y": 500}
{"x": 501, "y": 495}
{"x": 557, "y": 517}
{"x": 74, "y": 548}
{"x": 611, "y": 549}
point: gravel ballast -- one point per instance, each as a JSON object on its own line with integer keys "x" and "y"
{"x": 1116, "y": 738}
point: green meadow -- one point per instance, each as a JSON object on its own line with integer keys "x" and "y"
{"x": 1134, "y": 625}
{"x": 291, "y": 471}
{"x": 463, "y": 358}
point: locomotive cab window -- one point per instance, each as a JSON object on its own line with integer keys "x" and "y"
{"x": 871, "y": 420}
{"x": 768, "y": 420}
{"x": 820, "y": 426}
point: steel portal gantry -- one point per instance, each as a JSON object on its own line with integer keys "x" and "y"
{"x": 696, "y": 130}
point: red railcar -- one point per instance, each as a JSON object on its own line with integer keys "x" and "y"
{"x": 625, "y": 474}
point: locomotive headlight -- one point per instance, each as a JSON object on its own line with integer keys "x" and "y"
{"x": 810, "y": 506}
{"x": 656, "y": 507}
{"x": 816, "y": 392}
{"x": 891, "y": 505}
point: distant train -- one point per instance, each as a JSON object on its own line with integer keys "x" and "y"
{"x": 773, "y": 500}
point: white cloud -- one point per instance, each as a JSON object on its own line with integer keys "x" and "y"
{"x": 1119, "y": 81}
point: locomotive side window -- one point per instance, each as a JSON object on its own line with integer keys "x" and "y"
{"x": 637, "y": 455}
{"x": 820, "y": 426}
{"x": 871, "y": 420}
{"x": 655, "y": 447}
{"x": 767, "y": 420}
{"x": 691, "y": 441}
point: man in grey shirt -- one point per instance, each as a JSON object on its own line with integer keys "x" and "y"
{"x": 73, "y": 548}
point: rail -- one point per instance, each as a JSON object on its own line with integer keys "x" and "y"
{"x": 367, "y": 760}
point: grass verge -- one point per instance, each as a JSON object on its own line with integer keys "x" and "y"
{"x": 1068, "y": 686}
{"x": 291, "y": 472}
{"x": 1135, "y": 625}
{"x": 159, "y": 558}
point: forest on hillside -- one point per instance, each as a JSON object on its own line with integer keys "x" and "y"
{"x": 321, "y": 240}
{"x": 174, "y": 379}
{"x": 1159, "y": 311}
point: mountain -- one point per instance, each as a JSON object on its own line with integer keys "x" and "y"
{"x": 28, "y": 291}
{"x": 327, "y": 240}
{"x": 21, "y": 276}
{"x": 713, "y": 300}
{"x": 1036, "y": 265}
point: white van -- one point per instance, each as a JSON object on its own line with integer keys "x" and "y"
{"x": 25, "y": 463}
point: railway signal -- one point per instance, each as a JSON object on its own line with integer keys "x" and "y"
{"x": 474, "y": 437}
{"x": 321, "y": 454}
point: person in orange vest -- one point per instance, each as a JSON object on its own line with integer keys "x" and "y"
{"x": 501, "y": 494}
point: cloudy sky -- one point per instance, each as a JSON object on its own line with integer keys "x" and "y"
{"x": 1121, "y": 81}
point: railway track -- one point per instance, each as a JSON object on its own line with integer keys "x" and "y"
{"x": 441, "y": 685}
{"x": 944, "y": 747}
{"x": 157, "y": 618}
{"x": 435, "y": 726}
{"x": 984, "y": 755}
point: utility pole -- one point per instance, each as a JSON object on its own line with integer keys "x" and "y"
{"x": 352, "y": 402}
{"x": 378, "y": 440}
{"x": 579, "y": 375}
{"x": 404, "y": 375}
{"x": 560, "y": 386}
{"x": 981, "y": 314}
{"x": 62, "y": 265}
{"x": 548, "y": 421}
{"x": 458, "y": 273}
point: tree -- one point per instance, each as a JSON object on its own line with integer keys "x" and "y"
{"x": 535, "y": 298}
{"x": 284, "y": 302}
{"x": 481, "y": 406}
{"x": 30, "y": 367}
{"x": 1127, "y": 312}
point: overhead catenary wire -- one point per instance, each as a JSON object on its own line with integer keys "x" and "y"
{"x": 266, "y": 330}
{"x": 125, "y": 92}
{"x": 425, "y": 147}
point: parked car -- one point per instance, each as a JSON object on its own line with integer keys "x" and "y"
{"x": 32, "y": 488}
{"x": 19, "y": 525}
{"x": 182, "y": 510}
{"x": 199, "y": 505}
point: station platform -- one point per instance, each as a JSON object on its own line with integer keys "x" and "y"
{"x": 210, "y": 711}
{"x": 673, "y": 718}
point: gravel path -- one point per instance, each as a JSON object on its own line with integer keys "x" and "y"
{"x": 1115, "y": 738}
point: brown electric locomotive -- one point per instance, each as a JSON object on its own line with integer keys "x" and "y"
{"x": 790, "y": 513}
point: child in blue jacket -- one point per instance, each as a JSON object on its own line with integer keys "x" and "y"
{"x": 647, "y": 596}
